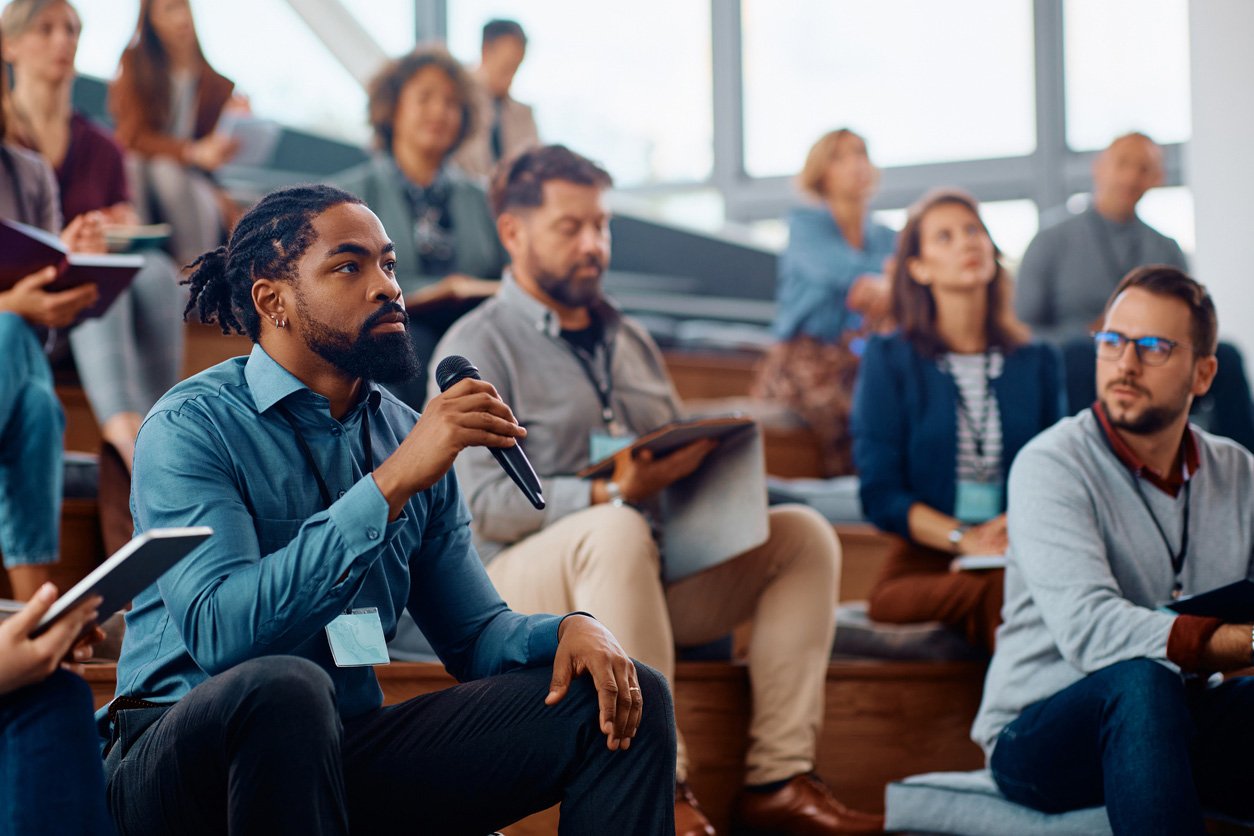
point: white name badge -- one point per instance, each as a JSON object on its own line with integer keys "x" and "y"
{"x": 356, "y": 639}
{"x": 978, "y": 502}
{"x": 603, "y": 445}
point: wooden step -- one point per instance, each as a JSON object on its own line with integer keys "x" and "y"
{"x": 882, "y": 721}
{"x": 701, "y": 375}
{"x": 206, "y": 345}
{"x": 82, "y": 433}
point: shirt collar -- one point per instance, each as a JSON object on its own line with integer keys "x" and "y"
{"x": 270, "y": 383}
{"x": 1172, "y": 482}
{"x": 543, "y": 318}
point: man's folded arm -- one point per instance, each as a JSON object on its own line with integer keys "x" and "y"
{"x": 229, "y": 601}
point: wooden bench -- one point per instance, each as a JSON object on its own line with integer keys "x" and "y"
{"x": 883, "y": 721}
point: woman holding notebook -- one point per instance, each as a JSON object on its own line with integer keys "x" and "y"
{"x": 129, "y": 357}
{"x": 941, "y": 408}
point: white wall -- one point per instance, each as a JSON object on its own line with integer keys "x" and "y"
{"x": 1219, "y": 161}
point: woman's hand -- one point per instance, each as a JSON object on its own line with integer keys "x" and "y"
{"x": 870, "y": 296}
{"x": 211, "y": 152}
{"x": 454, "y": 287}
{"x": 85, "y": 234}
{"x": 25, "y": 660}
{"x": 31, "y": 302}
{"x": 986, "y": 538}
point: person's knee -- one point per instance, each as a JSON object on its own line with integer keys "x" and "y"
{"x": 1142, "y": 691}
{"x": 810, "y": 538}
{"x": 616, "y": 539}
{"x": 656, "y": 693}
{"x": 657, "y": 716}
{"x": 287, "y": 689}
{"x": 61, "y": 694}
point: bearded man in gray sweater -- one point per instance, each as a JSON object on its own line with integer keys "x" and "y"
{"x": 1096, "y": 694}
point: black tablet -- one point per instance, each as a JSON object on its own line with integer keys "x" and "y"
{"x": 132, "y": 569}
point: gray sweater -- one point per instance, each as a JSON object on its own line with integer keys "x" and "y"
{"x": 514, "y": 340}
{"x": 1070, "y": 269}
{"x": 1087, "y": 568}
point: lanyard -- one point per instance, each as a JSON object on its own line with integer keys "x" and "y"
{"x": 604, "y": 384}
{"x": 1177, "y": 557}
{"x": 979, "y": 428}
{"x": 323, "y": 490}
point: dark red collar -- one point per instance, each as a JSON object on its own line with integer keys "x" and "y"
{"x": 1169, "y": 484}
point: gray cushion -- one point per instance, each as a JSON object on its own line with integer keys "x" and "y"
{"x": 858, "y": 635}
{"x": 969, "y": 803}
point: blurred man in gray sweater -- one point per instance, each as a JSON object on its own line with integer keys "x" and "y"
{"x": 1071, "y": 267}
{"x": 1097, "y": 695}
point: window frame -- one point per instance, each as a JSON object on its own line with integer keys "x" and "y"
{"x": 1047, "y": 176}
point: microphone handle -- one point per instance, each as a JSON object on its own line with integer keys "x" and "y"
{"x": 514, "y": 462}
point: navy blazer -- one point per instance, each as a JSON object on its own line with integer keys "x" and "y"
{"x": 905, "y": 426}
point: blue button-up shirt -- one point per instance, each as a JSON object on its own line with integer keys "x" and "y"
{"x": 217, "y": 451}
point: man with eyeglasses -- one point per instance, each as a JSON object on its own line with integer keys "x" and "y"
{"x": 1096, "y": 694}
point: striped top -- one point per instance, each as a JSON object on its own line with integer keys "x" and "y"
{"x": 979, "y": 419}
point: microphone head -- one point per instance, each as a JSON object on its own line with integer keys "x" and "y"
{"x": 452, "y": 369}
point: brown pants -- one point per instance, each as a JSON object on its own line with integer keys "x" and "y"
{"x": 917, "y": 586}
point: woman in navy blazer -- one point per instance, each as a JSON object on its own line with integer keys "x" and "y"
{"x": 932, "y": 463}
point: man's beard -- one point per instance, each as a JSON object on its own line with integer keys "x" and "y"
{"x": 383, "y": 358}
{"x": 1152, "y": 419}
{"x": 566, "y": 289}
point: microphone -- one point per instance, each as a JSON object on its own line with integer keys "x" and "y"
{"x": 511, "y": 459}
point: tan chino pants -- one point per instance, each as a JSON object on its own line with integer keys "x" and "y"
{"x": 603, "y": 560}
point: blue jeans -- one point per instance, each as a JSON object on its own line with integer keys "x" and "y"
{"x": 1134, "y": 737}
{"x": 31, "y": 429}
{"x": 51, "y": 780}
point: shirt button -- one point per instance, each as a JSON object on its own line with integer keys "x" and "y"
{"x": 372, "y": 533}
{"x": 336, "y": 431}
{"x": 341, "y": 493}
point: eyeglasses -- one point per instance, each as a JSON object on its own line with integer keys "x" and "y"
{"x": 1152, "y": 351}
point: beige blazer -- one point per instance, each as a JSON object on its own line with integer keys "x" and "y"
{"x": 518, "y": 133}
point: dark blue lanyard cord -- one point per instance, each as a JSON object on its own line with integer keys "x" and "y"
{"x": 366, "y": 444}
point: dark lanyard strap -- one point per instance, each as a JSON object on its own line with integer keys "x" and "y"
{"x": 979, "y": 429}
{"x": 604, "y": 385}
{"x": 366, "y": 444}
{"x": 1102, "y": 232}
{"x": 1177, "y": 557}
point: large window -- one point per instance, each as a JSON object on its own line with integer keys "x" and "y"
{"x": 627, "y": 84}
{"x": 276, "y": 61}
{"x": 925, "y": 82}
{"x": 1127, "y": 66}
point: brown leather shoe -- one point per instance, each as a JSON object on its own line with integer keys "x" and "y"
{"x": 689, "y": 819}
{"x": 802, "y": 807}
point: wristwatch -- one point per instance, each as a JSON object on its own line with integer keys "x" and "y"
{"x": 956, "y": 534}
{"x": 615, "y": 493}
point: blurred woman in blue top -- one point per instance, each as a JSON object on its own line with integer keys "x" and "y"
{"x": 830, "y": 293}
{"x": 941, "y": 409}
